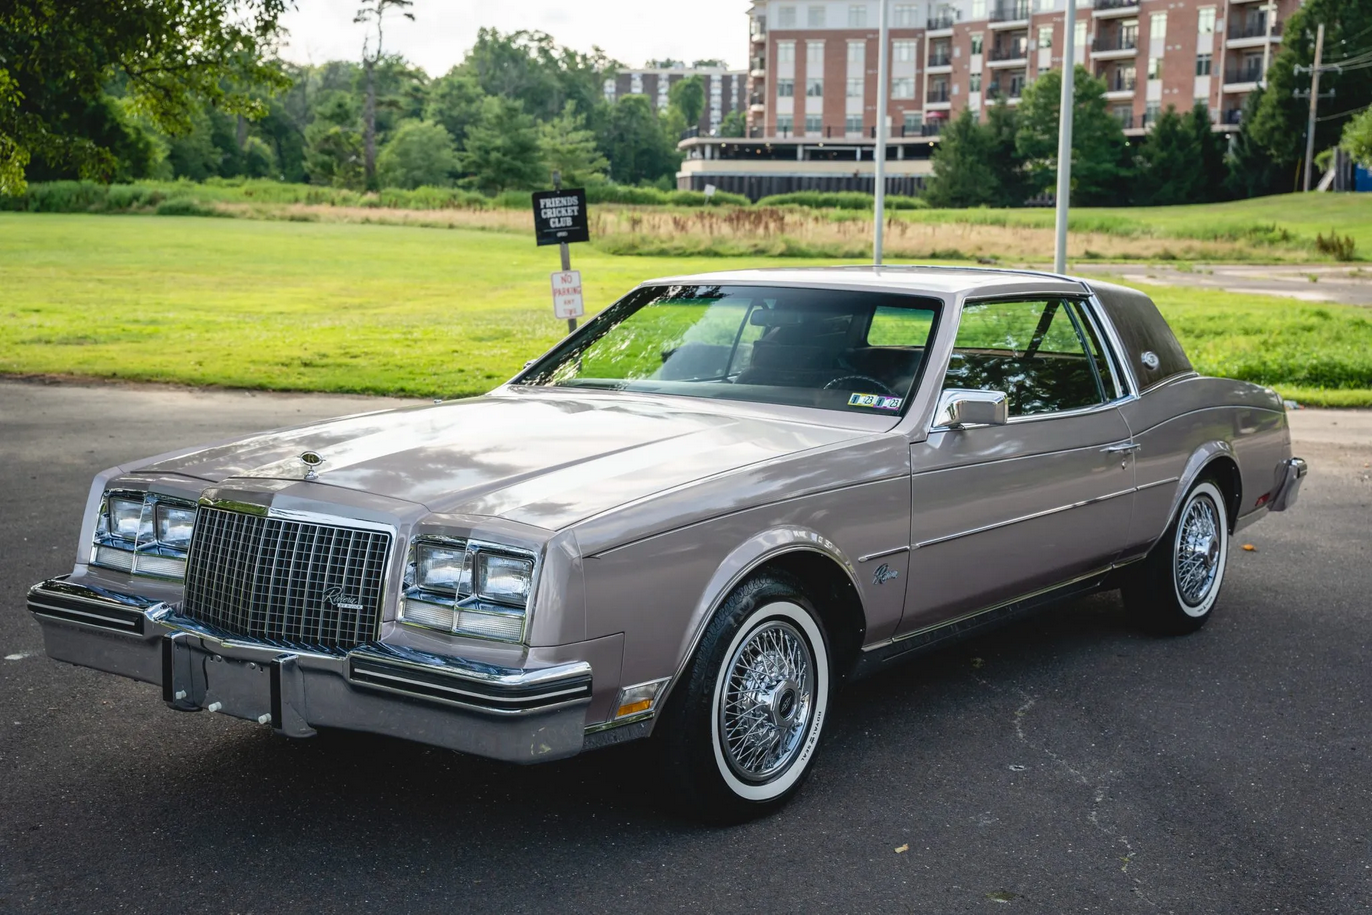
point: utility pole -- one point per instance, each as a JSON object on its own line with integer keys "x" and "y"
{"x": 879, "y": 173}
{"x": 1066, "y": 106}
{"x": 1314, "y": 101}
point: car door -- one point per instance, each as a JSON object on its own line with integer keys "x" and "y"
{"x": 1002, "y": 511}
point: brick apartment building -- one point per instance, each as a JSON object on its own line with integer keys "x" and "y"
{"x": 725, "y": 90}
{"x": 813, "y": 77}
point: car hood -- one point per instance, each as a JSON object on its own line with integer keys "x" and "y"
{"x": 548, "y": 461}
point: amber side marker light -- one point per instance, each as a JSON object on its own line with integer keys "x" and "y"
{"x": 637, "y": 699}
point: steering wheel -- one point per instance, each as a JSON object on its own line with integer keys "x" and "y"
{"x": 871, "y": 382}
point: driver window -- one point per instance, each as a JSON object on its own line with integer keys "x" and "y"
{"x": 1033, "y": 350}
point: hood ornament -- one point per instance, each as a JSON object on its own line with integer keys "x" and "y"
{"x": 311, "y": 460}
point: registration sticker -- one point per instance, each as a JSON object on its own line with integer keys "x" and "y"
{"x": 874, "y": 401}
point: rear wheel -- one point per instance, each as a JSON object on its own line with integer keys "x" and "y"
{"x": 742, "y": 728}
{"x": 1176, "y": 587}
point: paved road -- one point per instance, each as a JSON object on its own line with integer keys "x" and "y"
{"x": 1313, "y": 282}
{"x": 1065, "y": 764}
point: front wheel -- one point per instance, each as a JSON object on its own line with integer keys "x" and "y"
{"x": 742, "y": 731}
{"x": 1177, "y": 585}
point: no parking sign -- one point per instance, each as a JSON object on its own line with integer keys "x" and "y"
{"x": 567, "y": 294}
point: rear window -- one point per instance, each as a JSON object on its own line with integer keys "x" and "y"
{"x": 1150, "y": 347}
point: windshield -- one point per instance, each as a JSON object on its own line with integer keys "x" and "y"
{"x": 834, "y": 349}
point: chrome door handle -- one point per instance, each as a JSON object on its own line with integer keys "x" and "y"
{"x": 1122, "y": 448}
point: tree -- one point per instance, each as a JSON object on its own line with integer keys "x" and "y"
{"x": 636, "y": 144}
{"x": 455, "y": 102}
{"x": 1210, "y": 148}
{"x": 374, "y": 14}
{"x": 568, "y": 147}
{"x": 419, "y": 154}
{"x": 531, "y": 67}
{"x": 1357, "y": 139}
{"x": 57, "y": 58}
{"x": 733, "y": 125}
{"x": 963, "y": 174}
{"x": 1278, "y": 125}
{"x": 1252, "y": 172}
{"x": 1167, "y": 163}
{"x": 1012, "y": 181}
{"x": 1100, "y": 155}
{"x": 333, "y": 143}
{"x": 502, "y": 148}
{"x": 688, "y": 96}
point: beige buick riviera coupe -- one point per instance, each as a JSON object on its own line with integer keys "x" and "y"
{"x": 694, "y": 518}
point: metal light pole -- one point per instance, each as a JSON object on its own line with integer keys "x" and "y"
{"x": 879, "y": 188}
{"x": 1314, "y": 101}
{"x": 1066, "y": 106}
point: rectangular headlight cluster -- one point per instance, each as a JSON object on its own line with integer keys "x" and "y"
{"x": 143, "y": 534}
{"x": 468, "y": 589}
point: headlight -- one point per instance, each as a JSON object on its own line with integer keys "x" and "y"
{"x": 468, "y": 589}
{"x": 143, "y": 534}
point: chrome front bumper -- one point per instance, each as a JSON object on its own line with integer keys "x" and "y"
{"x": 518, "y": 715}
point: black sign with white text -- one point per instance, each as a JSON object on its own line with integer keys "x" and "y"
{"x": 560, "y": 216}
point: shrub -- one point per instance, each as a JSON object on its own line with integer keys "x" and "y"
{"x": 1339, "y": 247}
{"x": 185, "y": 206}
{"x": 841, "y": 200}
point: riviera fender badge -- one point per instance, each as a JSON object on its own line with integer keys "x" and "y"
{"x": 884, "y": 573}
{"x": 311, "y": 460}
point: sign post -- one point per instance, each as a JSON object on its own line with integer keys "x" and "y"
{"x": 560, "y": 218}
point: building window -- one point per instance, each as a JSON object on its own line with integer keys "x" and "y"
{"x": 903, "y": 16}
{"x": 976, "y": 43}
{"x": 1155, "y": 68}
{"x": 786, "y": 52}
{"x": 814, "y": 54}
{"x": 857, "y": 15}
{"x": 903, "y": 87}
{"x": 1203, "y": 64}
{"x": 786, "y": 88}
{"x": 1205, "y": 22}
{"x": 855, "y": 87}
{"x": 1047, "y": 6}
{"x": 814, "y": 88}
{"x": 857, "y": 55}
{"x": 814, "y": 123}
{"x": 609, "y": 89}
{"x": 1045, "y": 36}
{"x": 786, "y": 17}
{"x": 785, "y": 124}
{"x": 978, "y": 9}
{"x": 1157, "y": 31}
{"x": 1079, "y": 41}
{"x": 814, "y": 17}
{"x": 852, "y": 124}
{"x": 914, "y": 123}
{"x": 974, "y": 83}
{"x": 903, "y": 52}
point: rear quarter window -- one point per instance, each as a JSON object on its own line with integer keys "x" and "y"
{"x": 1150, "y": 347}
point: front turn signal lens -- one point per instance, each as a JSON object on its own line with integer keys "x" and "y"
{"x": 634, "y": 700}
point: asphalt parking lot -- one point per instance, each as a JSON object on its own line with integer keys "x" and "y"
{"x": 1063, "y": 764}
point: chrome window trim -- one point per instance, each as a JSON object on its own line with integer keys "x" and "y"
{"x": 1111, "y": 359}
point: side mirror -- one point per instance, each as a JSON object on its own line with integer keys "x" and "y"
{"x": 958, "y": 408}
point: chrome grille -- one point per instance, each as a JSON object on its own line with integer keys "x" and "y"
{"x": 288, "y": 583}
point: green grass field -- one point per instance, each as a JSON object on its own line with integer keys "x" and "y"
{"x": 431, "y": 312}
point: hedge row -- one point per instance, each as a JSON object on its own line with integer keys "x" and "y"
{"x": 91, "y": 197}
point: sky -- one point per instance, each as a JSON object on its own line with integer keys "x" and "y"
{"x": 443, "y": 30}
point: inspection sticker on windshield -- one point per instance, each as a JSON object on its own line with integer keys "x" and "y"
{"x": 874, "y": 401}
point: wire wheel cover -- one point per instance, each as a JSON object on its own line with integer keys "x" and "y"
{"x": 1197, "y": 560}
{"x": 767, "y": 701}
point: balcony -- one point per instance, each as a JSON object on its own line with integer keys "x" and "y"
{"x": 1126, "y": 120}
{"x": 937, "y": 95}
{"x": 1015, "y": 53}
{"x": 1246, "y": 76}
{"x": 940, "y": 60}
{"x": 941, "y": 23}
{"x": 1120, "y": 85}
{"x": 1102, "y": 9}
{"x": 1004, "y": 13}
{"x": 1232, "y": 117}
{"x": 1243, "y": 31}
{"x": 1106, "y": 47}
